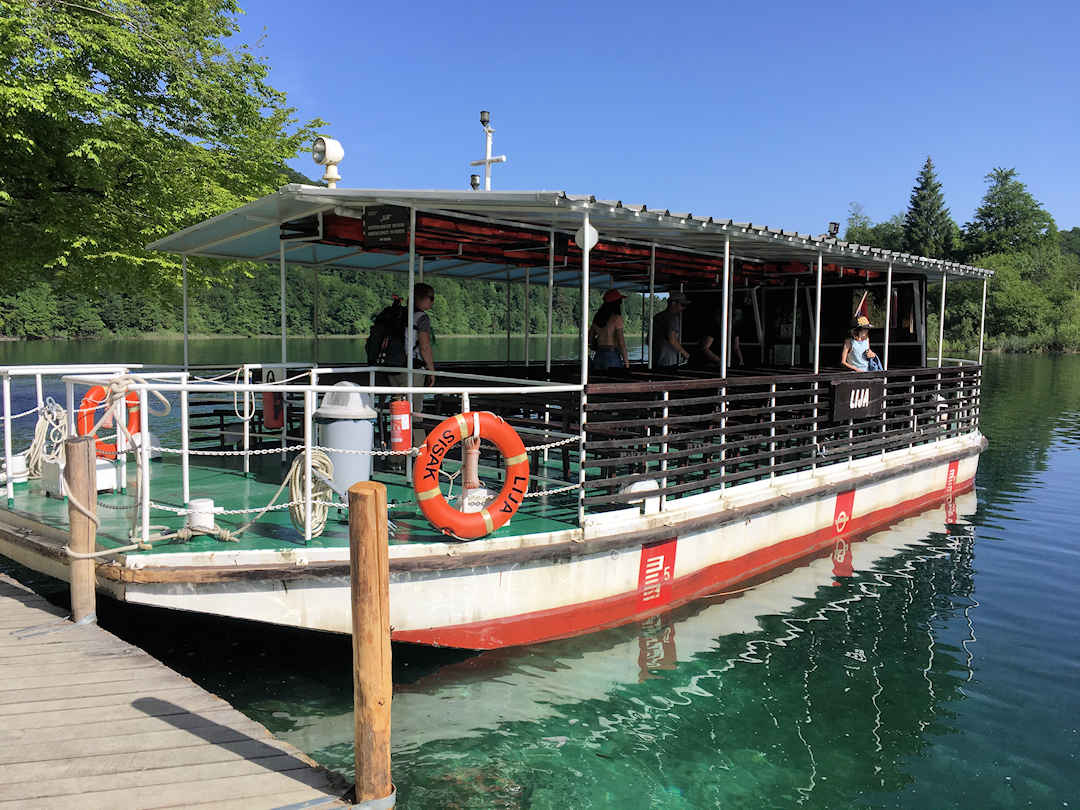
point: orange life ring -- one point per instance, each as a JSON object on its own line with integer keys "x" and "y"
{"x": 87, "y": 416}
{"x": 448, "y": 433}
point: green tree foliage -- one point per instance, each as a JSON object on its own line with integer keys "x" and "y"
{"x": 860, "y": 229}
{"x": 1070, "y": 241}
{"x": 1008, "y": 219}
{"x": 121, "y": 122}
{"x": 928, "y": 228}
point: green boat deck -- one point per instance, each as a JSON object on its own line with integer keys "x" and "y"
{"x": 233, "y": 490}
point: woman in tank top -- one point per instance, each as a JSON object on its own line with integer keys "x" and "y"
{"x": 857, "y": 353}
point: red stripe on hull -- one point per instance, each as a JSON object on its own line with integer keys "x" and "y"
{"x": 584, "y": 617}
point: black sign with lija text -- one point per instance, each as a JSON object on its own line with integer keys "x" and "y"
{"x": 386, "y": 227}
{"x": 857, "y": 398}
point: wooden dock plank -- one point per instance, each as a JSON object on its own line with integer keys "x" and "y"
{"x": 258, "y": 790}
{"x": 89, "y": 721}
{"x": 142, "y": 777}
{"x": 193, "y": 704}
{"x": 164, "y": 757}
{"x": 153, "y": 679}
{"x": 80, "y": 702}
{"x": 71, "y": 749}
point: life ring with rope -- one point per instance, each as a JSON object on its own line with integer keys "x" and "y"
{"x": 444, "y": 517}
{"x": 94, "y": 398}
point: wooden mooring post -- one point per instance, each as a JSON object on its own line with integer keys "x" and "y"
{"x": 369, "y": 564}
{"x": 80, "y": 481}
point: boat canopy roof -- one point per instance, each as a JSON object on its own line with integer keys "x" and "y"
{"x": 504, "y": 234}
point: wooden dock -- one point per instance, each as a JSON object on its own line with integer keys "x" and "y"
{"x": 90, "y": 721}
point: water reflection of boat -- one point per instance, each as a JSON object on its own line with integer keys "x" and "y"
{"x": 528, "y": 684}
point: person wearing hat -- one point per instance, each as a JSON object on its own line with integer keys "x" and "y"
{"x": 857, "y": 354}
{"x": 606, "y": 334}
{"x": 667, "y": 349}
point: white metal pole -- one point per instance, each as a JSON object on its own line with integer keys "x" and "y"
{"x": 40, "y": 392}
{"x": 817, "y": 353}
{"x": 488, "y": 133}
{"x": 120, "y": 415}
{"x": 941, "y": 322}
{"x": 726, "y": 298}
{"x": 794, "y": 320}
{"x": 585, "y": 303}
{"x": 550, "y": 299}
{"x": 817, "y": 318}
{"x": 185, "y": 461}
{"x": 508, "y": 331}
{"x": 888, "y": 313}
{"x": 982, "y": 322}
{"x": 526, "y": 317}
{"x": 652, "y": 290}
{"x": 183, "y": 275}
{"x": 7, "y": 440}
{"x": 70, "y": 408}
{"x": 584, "y": 368}
{"x": 315, "y": 316}
{"x": 410, "y": 337}
{"x": 248, "y": 408}
{"x": 144, "y": 453}
{"x": 308, "y": 508}
{"x": 284, "y": 327}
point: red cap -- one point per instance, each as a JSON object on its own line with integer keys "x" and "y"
{"x": 613, "y": 295}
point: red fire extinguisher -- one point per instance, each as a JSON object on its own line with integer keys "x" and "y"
{"x": 273, "y": 407}
{"x": 400, "y": 425}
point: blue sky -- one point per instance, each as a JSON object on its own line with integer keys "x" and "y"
{"x": 779, "y": 113}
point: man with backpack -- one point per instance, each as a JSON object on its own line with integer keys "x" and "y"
{"x": 386, "y": 342}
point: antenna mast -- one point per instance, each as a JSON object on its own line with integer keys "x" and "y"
{"x": 488, "y": 160}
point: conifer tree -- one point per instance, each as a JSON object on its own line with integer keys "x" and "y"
{"x": 1009, "y": 218}
{"x": 927, "y": 224}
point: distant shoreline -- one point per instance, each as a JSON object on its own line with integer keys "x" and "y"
{"x": 179, "y": 336}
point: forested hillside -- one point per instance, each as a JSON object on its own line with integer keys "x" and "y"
{"x": 122, "y": 123}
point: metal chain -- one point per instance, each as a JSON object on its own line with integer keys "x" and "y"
{"x": 543, "y": 492}
{"x": 263, "y": 452}
{"x": 102, "y": 505}
{"x": 536, "y": 448}
{"x": 412, "y": 451}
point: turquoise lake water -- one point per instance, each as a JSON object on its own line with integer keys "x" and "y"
{"x": 943, "y": 672}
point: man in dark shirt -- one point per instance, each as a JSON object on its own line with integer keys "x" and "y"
{"x": 667, "y": 348}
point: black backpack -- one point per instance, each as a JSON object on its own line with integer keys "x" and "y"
{"x": 386, "y": 343}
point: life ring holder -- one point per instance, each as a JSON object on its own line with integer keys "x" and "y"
{"x": 426, "y": 467}
{"x": 84, "y": 418}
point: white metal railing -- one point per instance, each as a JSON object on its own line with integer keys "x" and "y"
{"x": 38, "y": 373}
{"x": 184, "y": 385}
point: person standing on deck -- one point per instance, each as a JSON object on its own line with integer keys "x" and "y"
{"x": 857, "y": 354}
{"x": 708, "y": 353}
{"x": 606, "y": 334}
{"x": 667, "y": 349}
{"x": 423, "y": 337}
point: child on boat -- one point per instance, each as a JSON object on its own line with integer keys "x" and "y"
{"x": 857, "y": 354}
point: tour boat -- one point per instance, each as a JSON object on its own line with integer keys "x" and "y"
{"x": 629, "y": 492}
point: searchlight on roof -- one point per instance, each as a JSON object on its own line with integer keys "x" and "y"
{"x": 329, "y": 153}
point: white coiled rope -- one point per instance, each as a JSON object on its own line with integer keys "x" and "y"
{"x": 49, "y": 435}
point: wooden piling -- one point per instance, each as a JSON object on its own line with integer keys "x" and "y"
{"x": 370, "y": 568}
{"x": 80, "y": 481}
